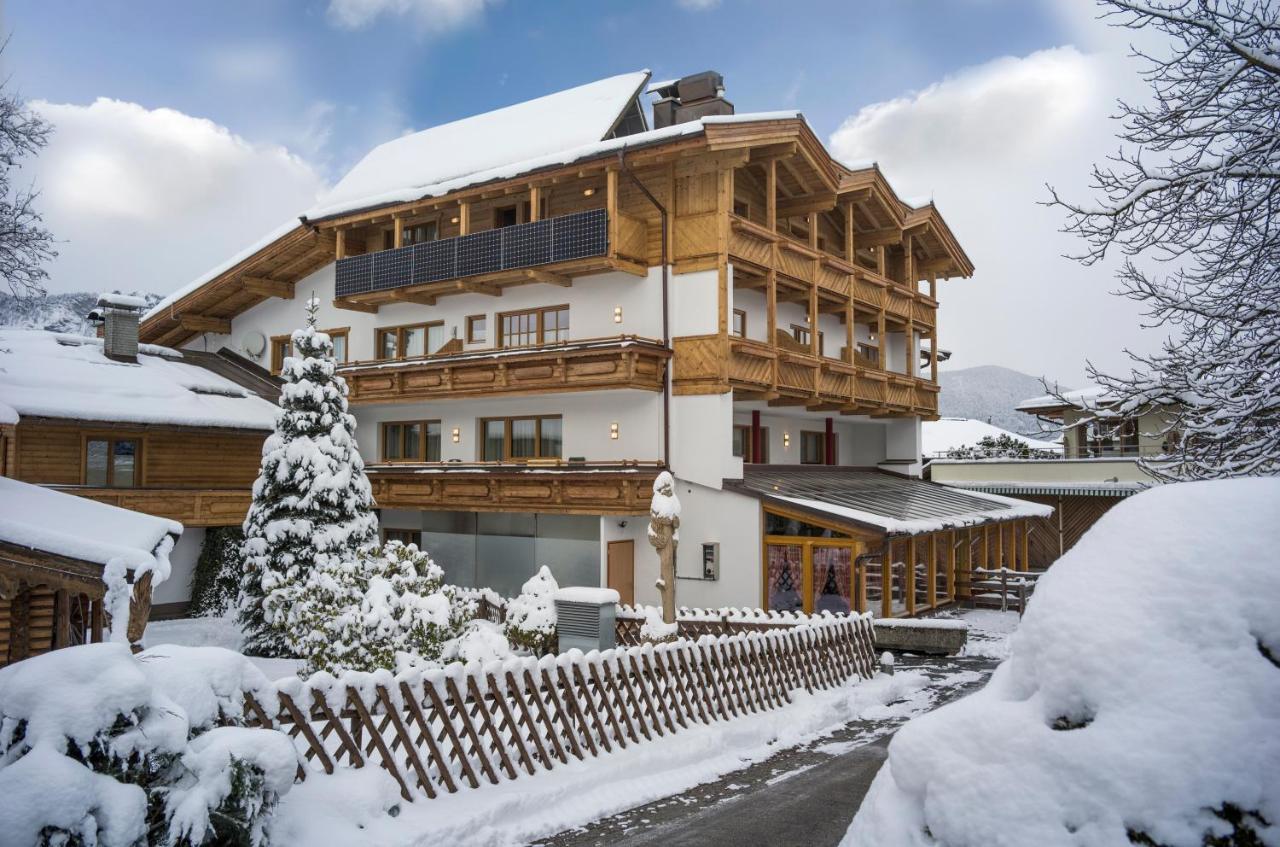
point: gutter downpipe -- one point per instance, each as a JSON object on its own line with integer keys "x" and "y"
{"x": 666, "y": 320}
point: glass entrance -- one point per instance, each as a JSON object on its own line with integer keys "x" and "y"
{"x": 832, "y": 579}
{"x": 784, "y": 577}
{"x": 813, "y": 575}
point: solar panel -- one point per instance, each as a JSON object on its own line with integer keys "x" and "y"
{"x": 559, "y": 239}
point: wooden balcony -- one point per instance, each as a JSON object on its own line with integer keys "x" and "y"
{"x": 712, "y": 364}
{"x": 580, "y": 488}
{"x": 554, "y": 250}
{"x": 623, "y": 361}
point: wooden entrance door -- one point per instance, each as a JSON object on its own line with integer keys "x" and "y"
{"x": 622, "y": 569}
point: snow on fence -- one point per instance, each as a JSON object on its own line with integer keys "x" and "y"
{"x": 695, "y": 623}
{"x": 442, "y": 730}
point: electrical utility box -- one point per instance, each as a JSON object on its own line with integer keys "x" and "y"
{"x": 711, "y": 560}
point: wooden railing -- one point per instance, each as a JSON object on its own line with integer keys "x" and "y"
{"x": 623, "y": 361}
{"x": 443, "y": 731}
{"x": 1001, "y": 588}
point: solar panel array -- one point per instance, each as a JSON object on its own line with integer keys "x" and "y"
{"x": 575, "y": 236}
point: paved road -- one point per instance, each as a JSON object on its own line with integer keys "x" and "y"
{"x": 802, "y": 796}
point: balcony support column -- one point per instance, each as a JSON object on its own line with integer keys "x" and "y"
{"x": 850, "y": 246}
{"x": 535, "y": 203}
{"x": 397, "y": 232}
{"x": 880, "y": 337}
{"x": 933, "y": 340}
{"x": 771, "y": 317}
{"x": 909, "y": 264}
{"x": 340, "y": 244}
{"x": 771, "y": 197}
{"x": 909, "y": 338}
{"x": 611, "y": 207}
{"x": 756, "y": 445}
{"x": 829, "y": 443}
{"x": 464, "y": 217}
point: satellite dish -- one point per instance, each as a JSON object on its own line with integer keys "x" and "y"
{"x": 254, "y": 343}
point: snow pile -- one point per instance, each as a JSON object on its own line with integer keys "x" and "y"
{"x": 481, "y": 641}
{"x": 665, "y": 505}
{"x": 1138, "y": 700}
{"x": 655, "y": 629}
{"x": 44, "y": 374}
{"x": 531, "y": 617}
{"x": 98, "y": 746}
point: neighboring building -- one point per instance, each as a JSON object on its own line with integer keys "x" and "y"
{"x": 1099, "y": 466}
{"x": 54, "y": 551}
{"x": 163, "y": 432}
{"x": 539, "y": 307}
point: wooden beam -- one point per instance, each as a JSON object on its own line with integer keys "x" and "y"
{"x": 419, "y": 297}
{"x": 265, "y": 287}
{"x": 397, "y": 231}
{"x": 1026, "y": 545}
{"x": 880, "y": 337}
{"x": 850, "y": 241}
{"x": 771, "y": 196}
{"x": 549, "y": 277}
{"x": 911, "y": 576}
{"x": 886, "y": 579}
{"x": 352, "y": 306}
{"x": 205, "y": 323}
{"x": 880, "y": 237}
{"x": 464, "y": 217}
{"x": 480, "y": 288}
{"x": 340, "y": 243}
{"x": 794, "y": 207}
{"x": 535, "y": 203}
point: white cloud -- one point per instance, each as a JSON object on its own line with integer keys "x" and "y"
{"x": 432, "y": 15}
{"x": 697, "y": 5}
{"x": 983, "y": 143}
{"x": 150, "y": 198}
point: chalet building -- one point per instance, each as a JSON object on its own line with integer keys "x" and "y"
{"x": 176, "y": 434}
{"x": 538, "y": 308}
{"x": 1098, "y": 466}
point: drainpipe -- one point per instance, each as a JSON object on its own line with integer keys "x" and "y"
{"x": 666, "y": 321}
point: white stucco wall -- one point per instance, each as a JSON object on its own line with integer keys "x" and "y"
{"x": 702, "y": 438}
{"x": 182, "y": 560}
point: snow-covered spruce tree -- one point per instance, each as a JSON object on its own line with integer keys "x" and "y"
{"x": 531, "y": 617}
{"x": 1196, "y": 188}
{"x": 312, "y": 505}
{"x": 380, "y": 608}
{"x": 999, "y": 447}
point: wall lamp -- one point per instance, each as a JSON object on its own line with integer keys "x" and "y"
{"x": 456, "y": 434}
{"x": 613, "y": 430}
{"x": 786, "y": 440}
{"x": 617, "y": 314}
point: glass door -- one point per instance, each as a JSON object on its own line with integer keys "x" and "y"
{"x": 784, "y": 577}
{"x": 832, "y": 579}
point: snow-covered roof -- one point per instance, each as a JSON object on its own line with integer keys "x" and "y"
{"x": 946, "y": 434}
{"x": 52, "y": 521}
{"x": 44, "y": 374}
{"x": 1076, "y": 489}
{"x": 539, "y": 127}
{"x": 881, "y": 501}
{"x": 1089, "y": 397}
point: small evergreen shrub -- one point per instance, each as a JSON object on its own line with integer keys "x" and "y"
{"x": 531, "y": 617}
{"x": 216, "y": 581}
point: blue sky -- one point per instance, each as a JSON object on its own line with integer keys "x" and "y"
{"x": 185, "y": 131}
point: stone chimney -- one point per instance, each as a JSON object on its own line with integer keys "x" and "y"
{"x": 117, "y": 317}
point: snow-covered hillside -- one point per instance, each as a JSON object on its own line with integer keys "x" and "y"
{"x": 989, "y": 393}
{"x": 57, "y": 312}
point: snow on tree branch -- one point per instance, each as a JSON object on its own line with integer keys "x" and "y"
{"x": 1195, "y": 193}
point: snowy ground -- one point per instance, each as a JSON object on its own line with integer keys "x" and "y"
{"x": 214, "y": 632}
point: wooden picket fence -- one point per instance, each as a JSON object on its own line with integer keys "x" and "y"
{"x": 441, "y": 731}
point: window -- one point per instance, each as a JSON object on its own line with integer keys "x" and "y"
{"x": 281, "y": 346}
{"x": 404, "y": 536}
{"x": 743, "y": 448}
{"x": 742, "y": 208}
{"x": 477, "y": 329}
{"x": 533, "y": 326}
{"x": 871, "y": 352}
{"x": 339, "y": 339}
{"x": 402, "y": 342}
{"x": 813, "y": 447}
{"x": 111, "y": 462}
{"x": 520, "y": 439}
{"x": 740, "y": 323}
{"x": 801, "y": 334}
{"x": 411, "y": 441}
{"x": 510, "y": 215}
{"x": 420, "y": 233}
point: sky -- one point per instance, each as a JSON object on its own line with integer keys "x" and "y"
{"x": 185, "y": 132}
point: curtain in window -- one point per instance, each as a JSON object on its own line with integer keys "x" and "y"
{"x": 524, "y": 438}
{"x": 785, "y": 577}
{"x": 551, "y": 437}
{"x": 832, "y": 579}
{"x": 494, "y": 432}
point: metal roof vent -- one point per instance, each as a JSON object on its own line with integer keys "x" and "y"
{"x": 586, "y": 618}
{"x": 689, "y": 99}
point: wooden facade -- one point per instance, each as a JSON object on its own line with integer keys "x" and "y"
{"x": 555, "y": 487}
{"x": 199, "y": 477}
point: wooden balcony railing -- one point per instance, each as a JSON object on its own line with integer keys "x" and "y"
{"x": 623, "y": 361}
{"x": 708, "y": 364}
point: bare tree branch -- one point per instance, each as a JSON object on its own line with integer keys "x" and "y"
{"x": 25, "y": 245}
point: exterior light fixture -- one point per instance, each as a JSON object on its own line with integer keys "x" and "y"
{"x": 453, "y": 220}
{"x": 786, "y": 440}
{"x": 613, "y": 430}
{"x": 587, "y": 192}
{"x": 457, "y": 435}
{"x": 617, "y": 314}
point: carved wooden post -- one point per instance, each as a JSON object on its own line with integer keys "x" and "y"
{"x": 664, "y": 524}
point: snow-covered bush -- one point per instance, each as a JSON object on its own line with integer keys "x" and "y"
{"x": 531, "y": 617}
{"x": 480, "y": 641}
{"x": 359, "y": 613}
{"x": 215, "y": 584}
{"x": 655, "y": 629}
{"x": 1138, "y": 703}
{"x": 1000, "y": 447}
{"x": 98, "y": 746}
{"x": 312, "y": 504}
